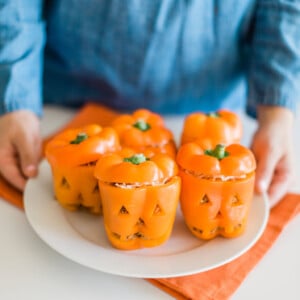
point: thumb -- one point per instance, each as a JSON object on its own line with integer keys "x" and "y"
{"x": 29, "y": 149}
{"x": 266, "y": 164}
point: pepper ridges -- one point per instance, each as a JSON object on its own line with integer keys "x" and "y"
{"x": 139, "y": 198}
{"x": 144, "y": 130}
{"x": 216, "y": 191}
{"x": 72, "y": 156}
{"x": 220, "y": 127}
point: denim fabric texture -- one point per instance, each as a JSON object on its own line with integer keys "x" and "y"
{"x": 171, "y": 56}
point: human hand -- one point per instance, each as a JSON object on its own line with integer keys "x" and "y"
{"x": 20, "y": 147}
{"x": 273, "y": 148}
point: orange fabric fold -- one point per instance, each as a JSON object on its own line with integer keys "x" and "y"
{"x": 10, "y": 194}
{"x": 222, "y": 282}
{"x": 216, "y": 284}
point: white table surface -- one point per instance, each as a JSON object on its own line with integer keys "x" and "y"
{"x": 30, "y": 270}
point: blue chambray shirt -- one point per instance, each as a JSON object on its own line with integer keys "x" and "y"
{"x": 171, "y": 56}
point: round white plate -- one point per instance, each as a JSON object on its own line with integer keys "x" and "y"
{"x": 80, "y": 237}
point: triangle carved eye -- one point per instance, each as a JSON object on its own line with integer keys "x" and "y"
{"x": 64, "y": 183}
{"x": 236, "y": 201}
{"x": 158, "y": 211}
{"x": 140, "y": 222}
{"x": 204, "y": 200}
{"x": 96, "y": 189}
{"x": 123, "y": 211}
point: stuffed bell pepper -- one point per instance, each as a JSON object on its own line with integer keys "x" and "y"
{"x": 72, "y": 155}
{"x": 217, "y": 189}
{"x": 139, "y": 196}
{"x": 144, "y": 130}
{"x": 221, "y": 127}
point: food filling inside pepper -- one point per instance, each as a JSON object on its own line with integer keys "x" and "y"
{"x": 215, "y": 177}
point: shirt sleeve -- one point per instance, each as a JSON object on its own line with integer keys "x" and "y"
{"x": 22, "y": 36}
{"x": 274, "y": 70}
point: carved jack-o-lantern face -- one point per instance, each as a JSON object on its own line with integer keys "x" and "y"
{"x": 217, "y": 189}
{"x": 213, "y": 208}
{"x": 139, "y": 198}
{"x": 72, "y": 155}
{"x": 77, "y": 187}
{"x": 139, "y": 217}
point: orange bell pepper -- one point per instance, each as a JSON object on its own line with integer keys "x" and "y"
{"x": 145, "y": 130}
{"x": 221, "y": 127}
{"x": 217, "y": 189}
{"x": 72, "y": 156}
{"x": 139, "y": 197}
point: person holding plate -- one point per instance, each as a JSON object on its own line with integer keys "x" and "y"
{"x": 168, "y": 56}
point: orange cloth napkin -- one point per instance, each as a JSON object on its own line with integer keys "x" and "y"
{"x": 222, "y": 282}
{"x": 216, "y": 284}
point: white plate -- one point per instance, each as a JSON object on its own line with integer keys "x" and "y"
{"x": 81, "y": 237}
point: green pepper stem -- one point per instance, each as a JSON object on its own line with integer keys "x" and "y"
{"x": 142, "y": 125}
{"x": 219, "y": 152}
{"x": 213, "y": 114}
{"x": 136, "y": 159}
{"x": 81, "y": 136}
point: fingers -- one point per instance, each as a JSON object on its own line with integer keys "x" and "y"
{"x": 273, "y": 148}
{"x": 11, "y": 171}
{"x": 20, "y": 147}
{"x": 29, "y": 148}
{"x": 282, "y": 177}
{"x": 20, "y": 161}
{"x": 274, "y": 171}
{"x": 266, "y": 163}
{"x": 273, "y": 176}
{"x": 274, "y": 168}
{"x": 278, "y": 188}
